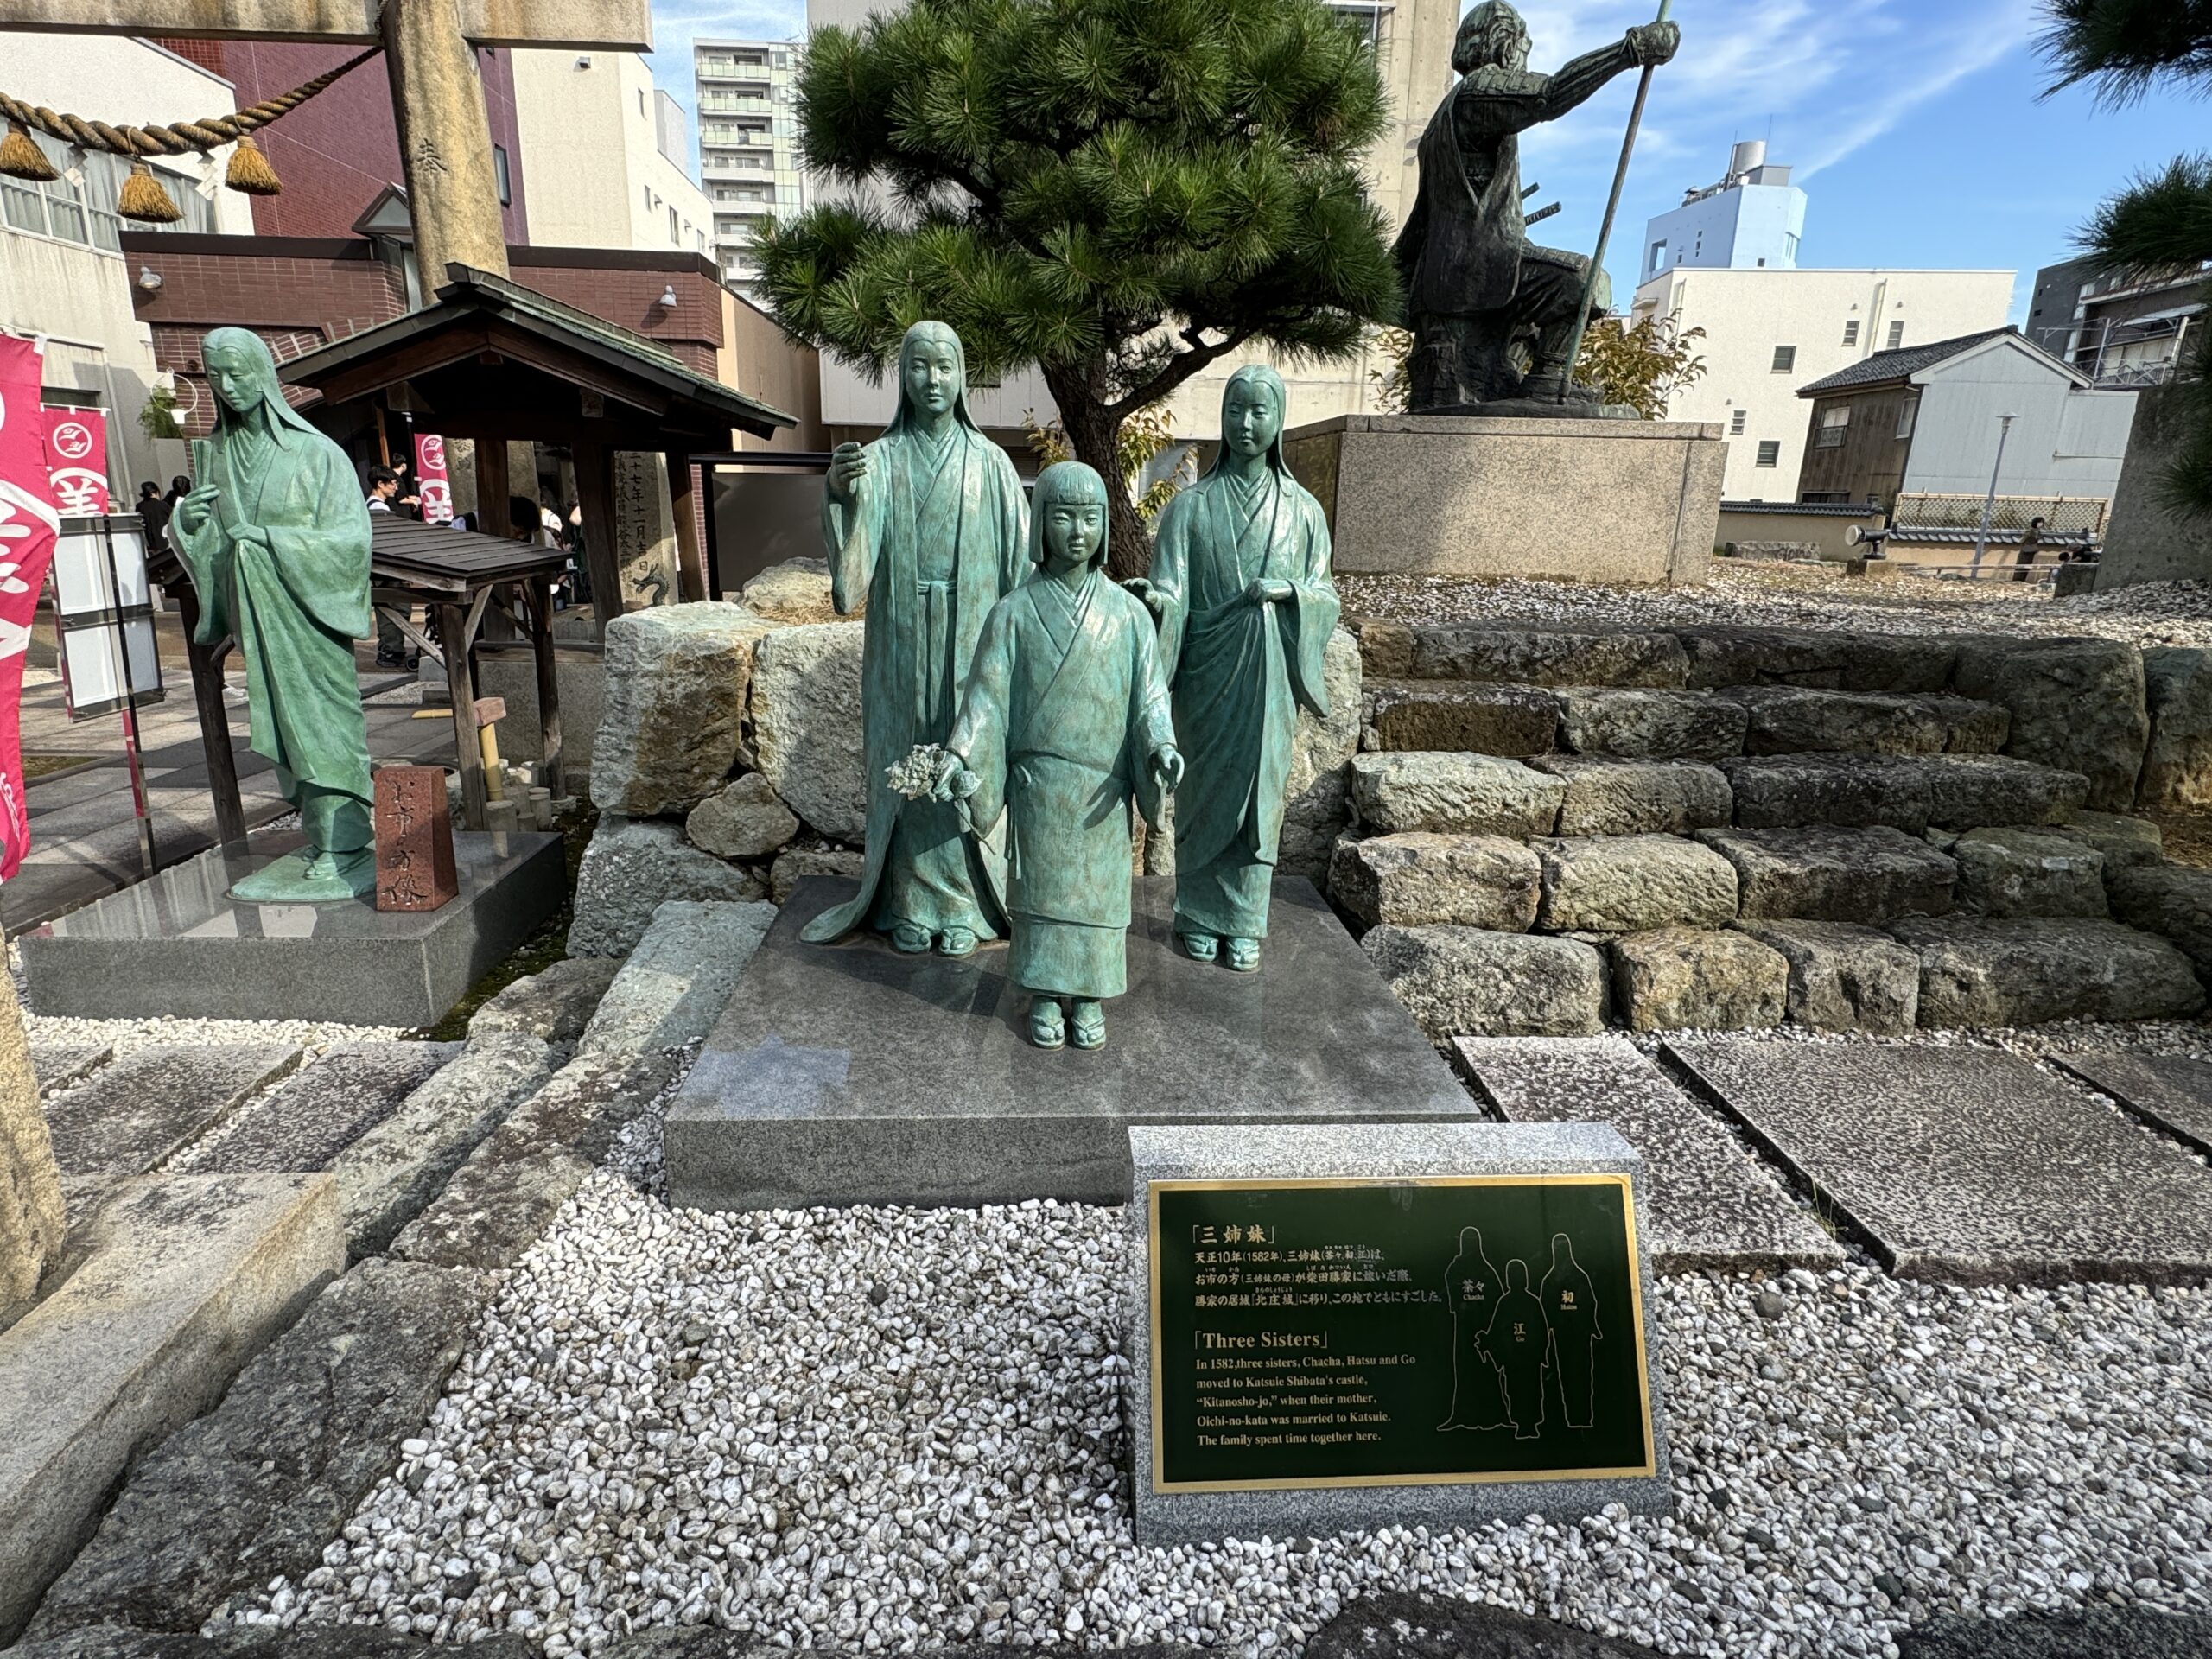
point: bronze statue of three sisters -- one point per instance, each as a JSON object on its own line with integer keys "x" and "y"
{"x": 1020, "y": 706}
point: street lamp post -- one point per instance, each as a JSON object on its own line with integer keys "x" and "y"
{"x": 1989, "y": 502}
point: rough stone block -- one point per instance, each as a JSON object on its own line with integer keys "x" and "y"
{"x": 806, "y": 714}
{"x": 1676, "y": 977}
{"x": 1452, "y": 794}
{"x": 1316, "y": 805}
{"x": 1623, "y": 884}
{"x": 743, "y": 819}
{"x": 630, "y": 869}
{"x": 553, "y": 1005}
{"x": 797, "y": 590}
{"x": 673, "y": 986}
{"x": 155, "y": 1100}
{"x": 1650, "y": 725}
{"x": 1799, "y": 720}
{"x": 1466, "y": 715}
{"x": 1979, "y": 971}
{"x": 2123, "y": 841}
{"x": 1606, "y": 795}
{"x": 677, "y": 676}
{"x": 1844, "y": 977}
{"x": 32, "y": 1221}
{"x": 1418, "y": 880}
{"x": 2028, "y": 873}
{"x": 1848, "y": 792}
{"x": 176, "y": 1282}
{"x": 1835, "y": 875}
{"x": 1465, "y": 651}
{"x": 262, "y": 1483}
{"x": 1468, "y": 982}
{"x": 1725, "y": 655}
{"x": 2078, "y": 705}
{"x": 2172, "y": 900}
{"x": 2177, "y": 763}
{"x": 1967, "y": 789}
{"x": 794, "y": 864}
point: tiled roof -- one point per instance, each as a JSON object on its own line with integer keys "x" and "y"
{"x": 1899, "y": 365}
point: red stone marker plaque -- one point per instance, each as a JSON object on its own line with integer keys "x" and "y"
{"x": 414, "y": 840}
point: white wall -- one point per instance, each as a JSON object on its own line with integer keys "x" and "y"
{"x": 80, "y": 295}
{"x": 591, "y": 146}
{"x": 2067, "y": 440}
{"x": 1746, "y": 313}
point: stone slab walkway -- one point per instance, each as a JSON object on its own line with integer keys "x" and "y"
{"x": 58, "y": 1066}
{"x": 2170, "y": 1091}
{"x": 151, "y": 1102}
{"x": 326, "y": 1109}
{"x": 1709, "y": 1203}
{"x": 1967, "y": 1165}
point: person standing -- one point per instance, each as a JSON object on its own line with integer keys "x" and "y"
{"x": 927, "y": 526}
{"x": 2031, "y": 545}
{"x": 154, "y": 514}
{"x": 1240, "y": 582}
{"x": 391, "y": 642}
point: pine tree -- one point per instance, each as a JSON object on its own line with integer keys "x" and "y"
{"x": 1120, "y": 191}
{"x": 2161, "y": 224}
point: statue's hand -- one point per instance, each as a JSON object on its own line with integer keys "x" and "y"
{"x": 253, "y": 536}
{"x": 1652, "y": 44}
{"x": 1143, "y": 588}
{"x": 192, "y": 510}
{"x": 1167, "y": 767}
{"x": 848, "y": 466}
{"x": 954, "y": 781}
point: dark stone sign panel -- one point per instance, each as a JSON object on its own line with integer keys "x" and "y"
{"x": 1359, "y": 1331}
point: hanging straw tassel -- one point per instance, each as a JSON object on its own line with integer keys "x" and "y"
{"x": 250, "y": 173}
{"x": 144, "y": 199}
{"x": 21, "y": 158}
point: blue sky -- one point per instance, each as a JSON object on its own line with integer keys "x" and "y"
{"x": 1913, "y": 124}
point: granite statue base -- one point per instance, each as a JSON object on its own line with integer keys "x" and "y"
{"x": 849, "y": 1074}
{"x": 1288, "y": 1500}
{"x": 1565, "y": 499}
{"x": 177, "y": 946}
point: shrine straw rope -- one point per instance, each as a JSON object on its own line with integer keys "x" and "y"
{"x": 181, "y": 137}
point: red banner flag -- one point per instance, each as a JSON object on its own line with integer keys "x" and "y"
{"x": 76, "y": 460}
{"x": 436, "y": 488}
{"x": 29, "y": 524}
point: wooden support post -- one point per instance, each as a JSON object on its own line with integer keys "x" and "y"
{"x": 595, "y": 465}
{"x": 445, "y": 141}
{"x": 461, "y": 684}
{"x": 714, "y": 539}
{"x": 549, "y": 683}
{"x": 691, "y": 558}
{"x": 207, "y": 665}
{"x": 492, "y": 490}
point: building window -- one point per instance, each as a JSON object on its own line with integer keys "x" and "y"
{"x": 1851, "y": 332}
{"x": 674, "y": 229}
{"x": 1835, "y": 422}
{"x": 1785, "y": 359}
{"x": 641, "y": 100}
{"x": 1770, "y": 452}
{"x": 499, "y": 170}
{"x": 1658, "y": 257}
{"x": 1897, "y": 335}
{"x": 1789, "y": 247}
{"x": 1910, "y": 408}
{"x": 1736, "y": 423}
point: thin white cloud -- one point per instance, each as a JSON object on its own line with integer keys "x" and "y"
{"x": 1939, "y": 59}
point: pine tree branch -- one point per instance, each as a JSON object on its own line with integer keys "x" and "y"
{"x": 1179, "y": 368}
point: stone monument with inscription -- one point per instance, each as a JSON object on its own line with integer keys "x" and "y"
{"x": 414, "y": 826}
{"x": 1333, "y": 1328}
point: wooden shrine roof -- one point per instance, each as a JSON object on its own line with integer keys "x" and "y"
{"x": 407, "y": 553}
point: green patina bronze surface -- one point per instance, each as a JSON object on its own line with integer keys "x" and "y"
{"x": 1064, "y": 726}
{"x": 925, "y": 525}
{"x": 275, "y": 536}
{"x": 1240, "y": 582}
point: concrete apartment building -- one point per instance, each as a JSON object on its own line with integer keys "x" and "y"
{"x": 748, "y": 144}
{"x": 1727, "y": 259}
{"x": 2121, "y": 330}
{"x": 628, "y": 181}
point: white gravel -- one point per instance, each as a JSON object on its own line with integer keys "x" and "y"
{"x": 1800, "y": 596}
{"x": 891, "y": 1428}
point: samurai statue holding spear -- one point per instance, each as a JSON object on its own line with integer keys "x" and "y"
{"x": 1481, "y": 300}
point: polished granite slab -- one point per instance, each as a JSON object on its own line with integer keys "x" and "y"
{"x": 850, "y": 1074}
{"x": 176, "y": 945}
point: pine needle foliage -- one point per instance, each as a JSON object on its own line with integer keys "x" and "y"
{"x": 2124, "y": 47}
{"x": 1120, "y": 191}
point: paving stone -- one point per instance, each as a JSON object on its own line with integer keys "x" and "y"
{"x": 1452, "y": 795}
{"x": 1848, "y": 792}
{"x": 1608, "y": 796}
{"x": 1457, "y": 650}
{"x": 2177, "y": 763}
{"x": 1844, "y": 977}
{"x": 2125, "y": 841}
{"x": 329, "y": 1105}
{"x": 1968, "y": 1165}
{"x": 2078, "y": 705}
{"x": 1419, "y": 878}
{"x": 1650, "y": 725}
{"x": 2173, "y": 1091}
{"x": 1798, "y": 720}
{"x": 1468, "y": 716}
{"x": 1620, "y": 884}
{"x": 1678, "y": 978}
{"x": 554, "y": 1005}
{"x": 59, "y": 1065}
{"x": 1722, "y": 655}
{"x": 305, "y": 1640}
{"x": 154, "y": 1100}
{"x": 1711, "y": 1204}
{"x": 2174, "y": 900}
{"x": 171, "y": 1286}
{"x": 632, "y": 869}
{"x": 2099, "y": 1633}
{"x": 1835, "y": 875}
{"x": 1457, "y": 981}
{"x": 674, "y": 986}
{"x": 1965, "y": 790}
{"x": 1397, "y": 1625}
{"x": 262, "y": 1483}
{"x": 2028, "y": 873}
{"x": 1984, "y": 971}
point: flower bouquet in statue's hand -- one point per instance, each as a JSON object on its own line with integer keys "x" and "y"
{"x": 914, "y": 775}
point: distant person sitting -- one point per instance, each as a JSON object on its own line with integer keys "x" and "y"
{"x": 154, "y": 512}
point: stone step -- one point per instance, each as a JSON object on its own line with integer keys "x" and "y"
{"x": 1983, "y": 971}
{"x": 1970, "y": 1165}
{"x": 1802, "y": 720}
{"x": 1708, "y": 1203}
{"x": 1623, "y": 884}
{"x": 1462, "y": 651}
{"x": 1844, "y": 977}
{"x": 2171, "y": 1091}
{"x": 62, "y": 1066}
{"x": 1463, "y": 981}
{"x": 2174, "y": 900}
{"x": 2013, "y": 872}
{"x": 1697, "y": 979}
{"x": 326, "y": 1109}
{"x": 1908, "y": 792}
{"x": 1420, "y": 878}
{"x": 1607, "y": 796}
{"x": 1870, "y": 876}
{"x": 1472, "y": 717}
{"x": 1650, "y": 725}
{"x": 152, "y": 1101}
{"x": 1723, "y": 655}
{"x": 1449, "y": 793}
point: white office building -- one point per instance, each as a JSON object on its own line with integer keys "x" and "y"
{"x": 748, "y": 144}
{"x": 1751, "y": 221}
{"x": 609, "y": 159}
